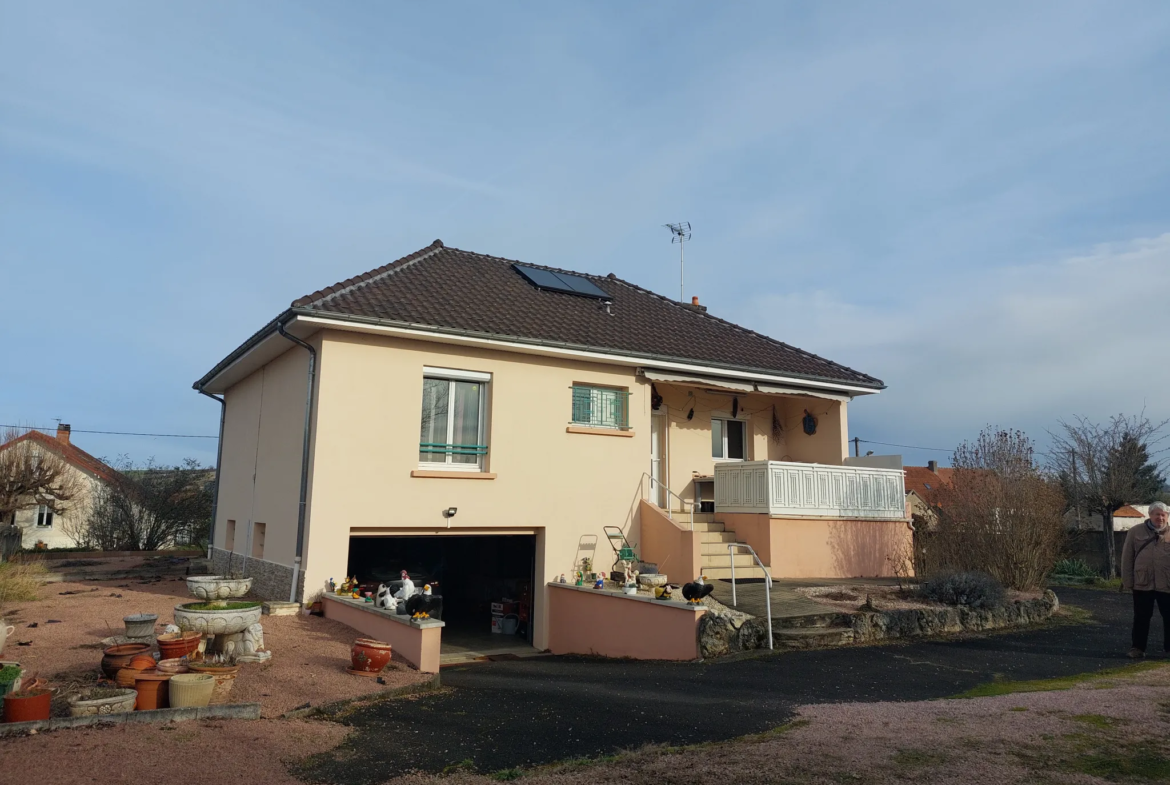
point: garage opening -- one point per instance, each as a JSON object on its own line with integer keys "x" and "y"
{"x": 485, "y": 582}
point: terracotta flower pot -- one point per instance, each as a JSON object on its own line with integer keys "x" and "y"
{"x": 191, "y": 690}
{"x": 153, "y": 692}
{"x": 172, "y": 646}
{"x": 172, "y": 666}
{"x": 118, "y": 657}
{"x": 370, "y": 656}
{"x": 27, "y": 706}
{"x": 125, "y": 678}
{"x": 225, "y": 679}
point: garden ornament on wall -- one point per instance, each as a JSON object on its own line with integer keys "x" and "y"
{"x": 809, "y": 422}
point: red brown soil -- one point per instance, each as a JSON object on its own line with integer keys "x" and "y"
{"x": 309, "y": 653}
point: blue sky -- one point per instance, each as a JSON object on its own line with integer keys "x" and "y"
{"x": 968, "y": 201}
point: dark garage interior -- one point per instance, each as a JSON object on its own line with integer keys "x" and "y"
{"x": 469, "y": 572}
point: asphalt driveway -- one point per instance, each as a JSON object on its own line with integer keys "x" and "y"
{"x": 507, "y": 714}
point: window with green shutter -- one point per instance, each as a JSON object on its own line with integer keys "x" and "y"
{"x": 601, "y": 407}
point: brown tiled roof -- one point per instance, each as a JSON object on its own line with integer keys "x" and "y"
{"x": 924, "y": 482}
{"x": 69, "y": 452}
{"x": 1128, "y": 512}
{"x": 450, "y": 289}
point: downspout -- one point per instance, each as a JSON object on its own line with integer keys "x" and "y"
{"x": 292, "y": 591}
{"x": 218, "y": 460}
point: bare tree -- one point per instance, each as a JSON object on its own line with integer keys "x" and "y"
{"x": 32, "y": 475}
{"x": 999, "y": 514}
{"x": 150, "y": 508}
{"x": 1104, "y": 466}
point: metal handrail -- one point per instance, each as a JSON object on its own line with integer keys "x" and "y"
{"x": 767, "y": 581}
{"x": 681, "y": 500}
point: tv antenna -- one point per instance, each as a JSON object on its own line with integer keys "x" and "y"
{"x": 680, "y": 233}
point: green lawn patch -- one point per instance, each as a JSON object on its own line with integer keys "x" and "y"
{"x": 1122, "y": 765}
{"x": 1007, "y": 687}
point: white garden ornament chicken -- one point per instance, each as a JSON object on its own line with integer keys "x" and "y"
{"x": 407, "y": 591}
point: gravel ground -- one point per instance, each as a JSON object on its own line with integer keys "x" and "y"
{"x": 1088, "y": 735}
{"x": 211, "y": 751}
{"x": 309, "y": 654}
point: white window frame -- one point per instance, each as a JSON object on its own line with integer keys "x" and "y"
{"x": 453, "y": 375}
{"x": 43, "y": 514}
{"x": 726, "y": 418}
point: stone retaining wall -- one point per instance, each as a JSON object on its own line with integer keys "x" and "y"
{"x": 725, "y": 631}
{"x": 269, "y": 580}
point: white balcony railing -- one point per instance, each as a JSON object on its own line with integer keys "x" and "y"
{"x": 809, "y": 490}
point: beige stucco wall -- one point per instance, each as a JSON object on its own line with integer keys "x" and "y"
{"x": 261, "y": 463}
{"x": 564, "y": 487}
{"x": 689, "y": 441}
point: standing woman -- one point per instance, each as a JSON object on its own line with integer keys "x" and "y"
{"x": 1145, "y": 570}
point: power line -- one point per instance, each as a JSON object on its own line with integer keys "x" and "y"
{"x": 117, "y": 433}
{"x": 905, "y": 446}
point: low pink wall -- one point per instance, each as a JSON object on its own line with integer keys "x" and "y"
{"x": 613, "y": 625}
{"x": 417, "y": 645}
{"x": 823, "y": 548}
{"x": 674, "y": 548}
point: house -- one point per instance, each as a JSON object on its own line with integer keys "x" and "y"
{"x": 1129, "y": 516}
{"x": 922, "y": 482}
{"x": 479, "y": 422}
{"x": 61, "y": 529}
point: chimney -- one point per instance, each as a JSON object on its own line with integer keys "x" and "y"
{"x": 933, "y": 466}
{"x": 694, "y": 304}
{"x": 63, "y": 430}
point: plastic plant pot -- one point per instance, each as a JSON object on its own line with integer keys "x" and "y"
{"x": 27, "y": 706}
{"x": 191, "y": 690}
{"x": 172, "y": 646}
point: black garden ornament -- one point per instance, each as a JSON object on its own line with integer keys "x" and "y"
{"x": 734, "y": 407}
{"x": 655, "y": 398}
{"x": 809, "y": 422}
{"x": 691, "y": 414}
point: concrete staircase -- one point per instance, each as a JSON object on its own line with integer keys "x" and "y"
{"x": 716, "y": 565}
{"x": 813, "y": 631}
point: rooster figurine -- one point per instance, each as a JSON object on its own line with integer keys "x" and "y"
{"x": 695, "y": 591}
{"x": 420, "y": 605}
{"x": 407, "y": 590}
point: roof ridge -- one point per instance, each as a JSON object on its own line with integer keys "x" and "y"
{"x": 357, "y": 281}
{"x": 741, "y": 328}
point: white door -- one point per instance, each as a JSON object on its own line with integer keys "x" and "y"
{"x": 657, "y": 460}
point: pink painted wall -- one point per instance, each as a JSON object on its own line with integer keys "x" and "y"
{"x": 418, "y": 646}
{"x": 823, "y": 548}
{"x": 588, "y": 622}
{"x": 672, "y": 546}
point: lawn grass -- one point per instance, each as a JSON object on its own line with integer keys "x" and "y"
{"x": 1008, "y": 687}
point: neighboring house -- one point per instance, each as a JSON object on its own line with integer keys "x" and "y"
{"x": 1124, "y": 519}
{"x": 922, "y": 482}
{"x": 478, "y": 422}
{"x": 40, "y": 524}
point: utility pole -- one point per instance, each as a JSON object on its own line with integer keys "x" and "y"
{"x": 681, "y": 232}
{"x": 856, "y": 446}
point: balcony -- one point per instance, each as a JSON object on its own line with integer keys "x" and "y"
{"x": 810, "y": 490}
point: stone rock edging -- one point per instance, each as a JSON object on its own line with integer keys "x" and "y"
{"x": 725, "y": 631}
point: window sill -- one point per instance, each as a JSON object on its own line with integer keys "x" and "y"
{"x": 453, "y": 475}
{"x": 599, "y": 431}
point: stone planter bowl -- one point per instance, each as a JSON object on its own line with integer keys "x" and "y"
{"x": 216, "y": 622}
{"x": 652, "y": 580}
{"x": 140, "y": 625}
{"x": 217, "y": 587}
{"x": 115, "y": 704}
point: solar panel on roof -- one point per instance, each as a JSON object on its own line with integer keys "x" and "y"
{"x": 561, "y": 282}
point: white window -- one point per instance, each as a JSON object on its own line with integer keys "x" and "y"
{"x": 452, "y": 433}
{"x": 44, "y": 517}
{"x": 728, "y": 439}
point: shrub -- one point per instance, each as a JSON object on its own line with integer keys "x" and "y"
{"x": 1075, "y": 568}
{"x": 19, "y": 581}
{"x": 976, "y": 590}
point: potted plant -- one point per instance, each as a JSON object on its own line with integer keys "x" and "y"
{"x": 103, "y": 700}
{"x": 224, "y": 670}
{"x": 191, "y": 690}
{"x": 9, "y": 677}
{"x": 28, "y": 704}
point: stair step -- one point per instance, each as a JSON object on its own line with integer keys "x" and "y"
{"x": 811, "y": 621}
{"x": 811, "y": 637}
{"x": 724, "y": 573}
{"x": 720, "y": 549}
{"x": 717, "y": 537}
{"x": 719, "y": 559}
{"x": 701, "y": 526}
